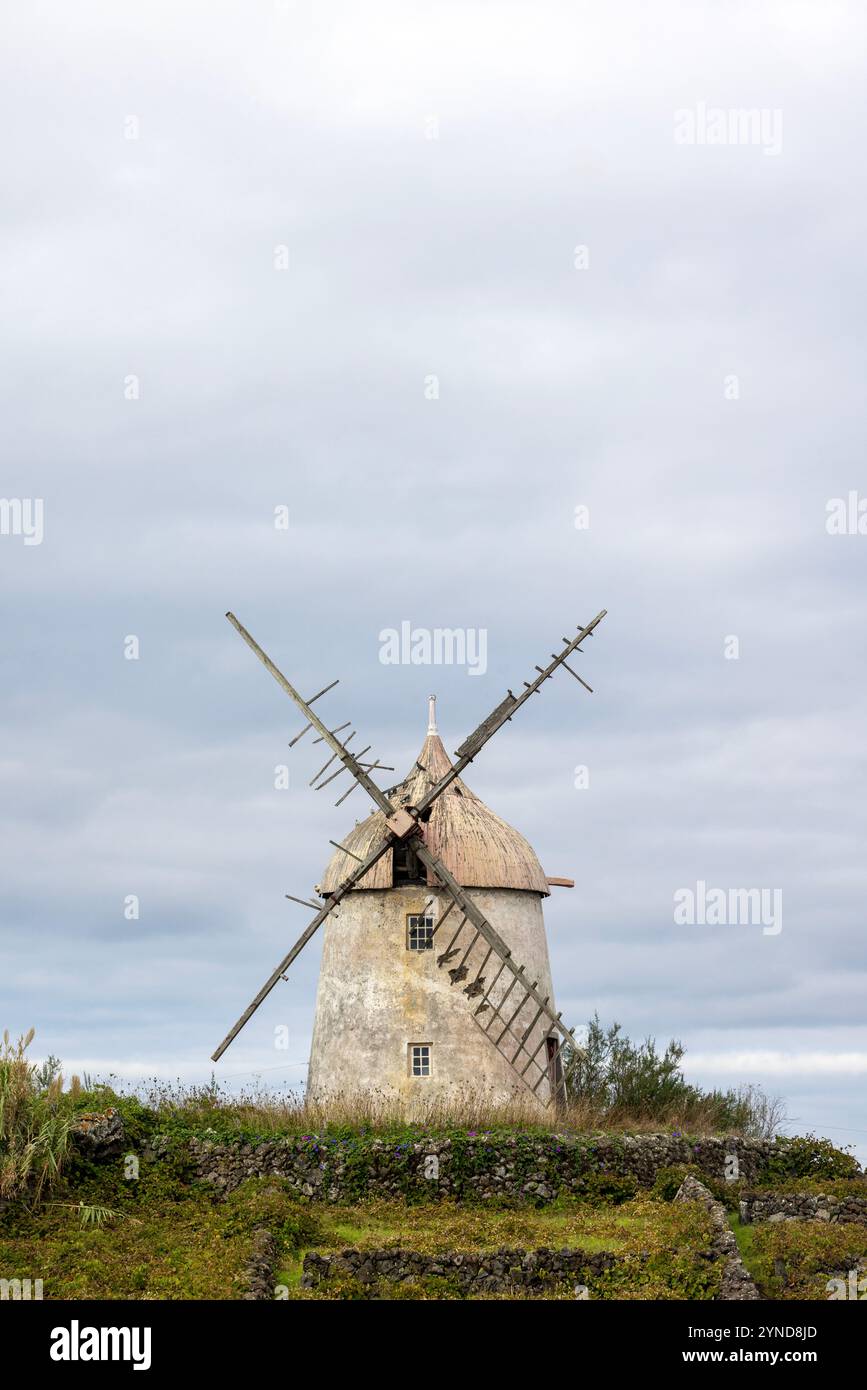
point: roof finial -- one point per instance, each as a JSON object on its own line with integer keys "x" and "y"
{"x": 432, "y": 714}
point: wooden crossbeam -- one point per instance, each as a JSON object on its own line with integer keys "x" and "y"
{"x": 527, "y": 1031}
{"x": 538, "y": 1050}
{"x": 517, "y": 1011}
{"x": 439, "y": 923}
{"x": 333, "y": 899}
{"x": 311, "y": 701}
{"x": 504, "y": 712}
{"x": 325, "y": 766}
{"x": 346, "y": 768}
{"x": 334, "y": 744}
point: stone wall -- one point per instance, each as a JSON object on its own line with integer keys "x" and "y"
{"x": 803, "y": 1206}
{"x": 258, "y": 1276}
{"x": 736, "y": 1284}
{"x": 495, "y": 1271}
{"x": 533, "y": 1167}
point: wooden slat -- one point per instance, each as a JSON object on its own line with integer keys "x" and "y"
{"x": 503, "y": 712}
{"x": 305, "y": 936}
{"x": 346, "y": 758}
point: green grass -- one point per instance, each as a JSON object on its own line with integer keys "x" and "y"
{"x": 662, "y": 1248}
{"x": 794, "y": 1259}
{"x": 170, "y": 1238}
{"x": 745, "y": 1237}
{"x": 164, "y": 1237}
{"x": 174, "y": 1240}
{"x": 435, "y": 1227}
{"x": 176, "y": 1251}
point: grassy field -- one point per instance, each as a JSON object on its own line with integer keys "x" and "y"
{"x": 96, "y": 1235}
{"x": 794, "y": 1259}
{"x": 88, "y": 1229}
{"x": 663, "y": 1248}
{"x": 182, "y": 1243}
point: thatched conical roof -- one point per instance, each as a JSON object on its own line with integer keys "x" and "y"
{"x": 480, "y": 849}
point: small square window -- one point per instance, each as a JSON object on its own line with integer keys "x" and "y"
{"x": 419, "y": 932}
{"x": 419, "y": 1056}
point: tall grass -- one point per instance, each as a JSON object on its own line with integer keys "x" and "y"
{"x": 214, "y": 1109}
{"x": 613, "y": 1085}
{"x": 35, "y": 1119}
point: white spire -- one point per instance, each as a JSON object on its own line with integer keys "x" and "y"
{"x": 432, "y": 714}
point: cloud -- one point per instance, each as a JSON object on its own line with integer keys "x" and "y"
{"x": 306, "y": 126}
{"x": 782, "y": 1064}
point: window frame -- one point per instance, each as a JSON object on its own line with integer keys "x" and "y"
{"x": 427, "y": 1060}
{"x": 421, "y": 919}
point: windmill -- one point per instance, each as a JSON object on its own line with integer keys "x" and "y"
{"x": 506, "y": 1009}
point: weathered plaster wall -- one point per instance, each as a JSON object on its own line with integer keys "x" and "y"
{"x": 376, "y": 998}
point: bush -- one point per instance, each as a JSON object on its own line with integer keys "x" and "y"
{"x": 613, "y": 1078}
{"x": 605, "y": 1189}
{"x": 269, "y": 1202}
{"x": 35, "y": 1119}
{"x": 668, "y": 1180}
{"x": 797, "y": 1259}
{"x": 809, "y": 1157}
{"x": 611, "y": 1072}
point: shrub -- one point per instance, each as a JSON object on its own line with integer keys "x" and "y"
{"x": 809, "y": 1157}
{"x": 669, "y": 1179}
{"x": 270, "y": 1203}
{"x": 605, "y": 1189}
{"x": 612, "y": 1078}
{"x": 35, "y": 1119}
{"x": 797, "y": 1259}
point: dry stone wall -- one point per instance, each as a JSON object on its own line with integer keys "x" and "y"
{"x": 258, "y": 1277}
{"x": 736, "y": 1283}
{"x": 803, "y": 1206}
{"x": 536, "y": 1168}
{"x": 496, "y": 1271}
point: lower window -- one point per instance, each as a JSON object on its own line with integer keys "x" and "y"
{"x": 419, "y": 1059}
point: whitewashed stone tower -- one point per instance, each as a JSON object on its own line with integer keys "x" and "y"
{"x": 389, "y": 1020}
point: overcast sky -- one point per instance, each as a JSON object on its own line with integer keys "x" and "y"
{"x": 239, "y": 244}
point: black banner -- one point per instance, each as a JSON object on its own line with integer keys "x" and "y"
{"x": 146, "y": 1338}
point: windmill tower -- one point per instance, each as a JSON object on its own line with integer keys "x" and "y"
{"x": 385, "y": 1020}
{"x": 420, "y": 991}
